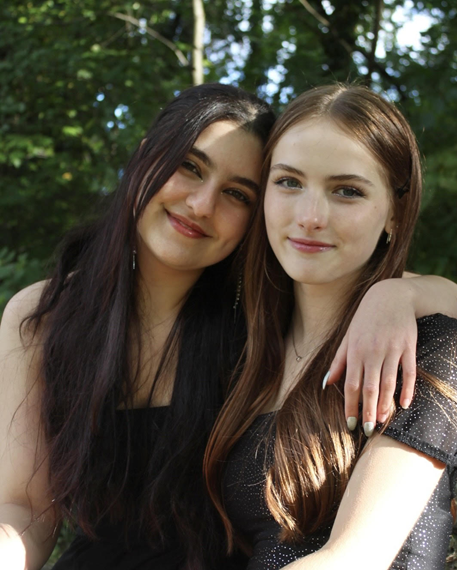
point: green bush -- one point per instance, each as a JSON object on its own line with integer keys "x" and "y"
{"x": 16, "y": 272}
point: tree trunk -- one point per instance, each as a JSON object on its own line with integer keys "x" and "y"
{"x": 197, "y": 51}
{"x": 376, "y": 25}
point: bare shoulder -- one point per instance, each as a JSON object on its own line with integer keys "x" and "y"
{"x": 21, "y": 305}
{"x": 23, "y": 468}
{"x": 20, "y": 353}
{"x": 15, "y": 341}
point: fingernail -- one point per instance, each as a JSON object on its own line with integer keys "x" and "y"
{"x": 382, "y": 418}
{"x": 352, "y": 423}
{"x": 324, "y": 381}
{"x": 368, "y": 428}
{"x": 406, "y": 404}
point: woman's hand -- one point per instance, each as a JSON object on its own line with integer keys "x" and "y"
{"x": 382, "y": 337}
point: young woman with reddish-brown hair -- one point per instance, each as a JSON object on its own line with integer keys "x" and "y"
{"x": 293, "y": 484}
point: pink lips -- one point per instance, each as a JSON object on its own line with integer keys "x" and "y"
{"x": 309, "y": 245}
{"x": 185, "y": 226}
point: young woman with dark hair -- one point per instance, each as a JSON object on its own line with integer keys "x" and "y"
{"x": 130, "y": 320}
{"x": 109, "y": 395}
{"x": 293, "y": 484}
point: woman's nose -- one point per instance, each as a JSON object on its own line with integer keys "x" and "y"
{"x": 202, "y": 200}
{"x": 312, "y": 210}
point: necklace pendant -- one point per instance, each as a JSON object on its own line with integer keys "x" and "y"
{"x": 298, "y": 358}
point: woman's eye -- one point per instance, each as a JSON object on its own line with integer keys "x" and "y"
{"x": 191, "y": 167}
{"x": 348, "y": 192}
{"x": 286, "y": 182}
{"x": 238, "y": 195}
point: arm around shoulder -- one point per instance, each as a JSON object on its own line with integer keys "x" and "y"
{"x": 432, "y": 294}
{"x": 27, "y": 523}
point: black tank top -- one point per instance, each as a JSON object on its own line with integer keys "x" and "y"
{"x": 115, "y": 549}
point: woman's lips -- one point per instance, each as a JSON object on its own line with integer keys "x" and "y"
{"x": 310, "y": 246}
{"x": 185, "y": 226}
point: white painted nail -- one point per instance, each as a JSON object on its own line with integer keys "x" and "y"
{"x": 352, "y": 423}
{"x": 406, "y": 404}
{"x": 368, "y": 428}
{"x": 324, "y": 381}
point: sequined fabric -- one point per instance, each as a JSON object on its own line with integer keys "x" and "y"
{"x": 428, "y": 426}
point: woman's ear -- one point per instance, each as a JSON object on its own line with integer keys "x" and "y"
{"x": 390, "y": 221}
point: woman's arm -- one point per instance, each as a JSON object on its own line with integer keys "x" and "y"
{"x": 382, "y": 502}
{"x": 382, "y": 336}
{"x": 27, "y": 525}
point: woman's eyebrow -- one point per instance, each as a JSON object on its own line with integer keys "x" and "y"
{"x": 202, "y": 156}
{"x": 245, "y": 182}
{"x": 210, "y": 164}
{"x": 288, "y": 168}
{"x": 349, "y": 177}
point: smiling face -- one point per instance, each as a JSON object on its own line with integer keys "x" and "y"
{"x": 326, "y": 205}
{"x": 201, "y": 214}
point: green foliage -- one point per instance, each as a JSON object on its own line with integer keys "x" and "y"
{"x": 66, "y": 537}
{"x": 78, "y": 88}
{"x": 435, "y": 249}
{"x": 16, "y": 273}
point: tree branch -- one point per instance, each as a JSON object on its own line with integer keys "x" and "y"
{"x": 327, "y": 24}
{"x": 315, "y": 13}
{"x": 374, "y": 43}
{"x": 197, "y": 51}
{"x": 352, "y": 49}
{"x": 179, "y": 54}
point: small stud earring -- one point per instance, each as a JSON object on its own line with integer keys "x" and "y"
{"x": 389, "y": 237}
{"x": 134, "y": 260}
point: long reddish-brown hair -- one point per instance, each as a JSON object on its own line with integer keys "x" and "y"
{"x": 314, "y": 452}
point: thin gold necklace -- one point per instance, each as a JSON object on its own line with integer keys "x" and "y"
{"x": 297, "y": 356}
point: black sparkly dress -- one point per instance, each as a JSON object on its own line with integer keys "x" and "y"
{"x": 428, "y": 426}
{"x": 116, "y": 550}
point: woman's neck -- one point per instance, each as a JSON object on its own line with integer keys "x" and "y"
{"x": 163, "y": 291}
{"x": 317, "y": 308}
{"x": 161, "y": 294}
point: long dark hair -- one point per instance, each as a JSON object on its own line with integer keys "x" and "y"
{"x": 314, "y": 452}
{"x": 88, "y": 322}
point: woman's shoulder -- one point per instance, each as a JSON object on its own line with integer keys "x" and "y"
{"x": 21, "y": 305}
{"x": 20, "y": 350}
{"x": 437, "y": 347}
{"x": 437, "y": 323}
{"x": 436, "y": 333}
{"x": 429, "y": 425}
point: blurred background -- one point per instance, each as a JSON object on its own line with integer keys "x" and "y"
{"x": 81, "y": 81}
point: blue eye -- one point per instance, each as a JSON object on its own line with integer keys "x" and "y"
{"x": 287, "y": 182}
{"x": 349, "y": 192}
